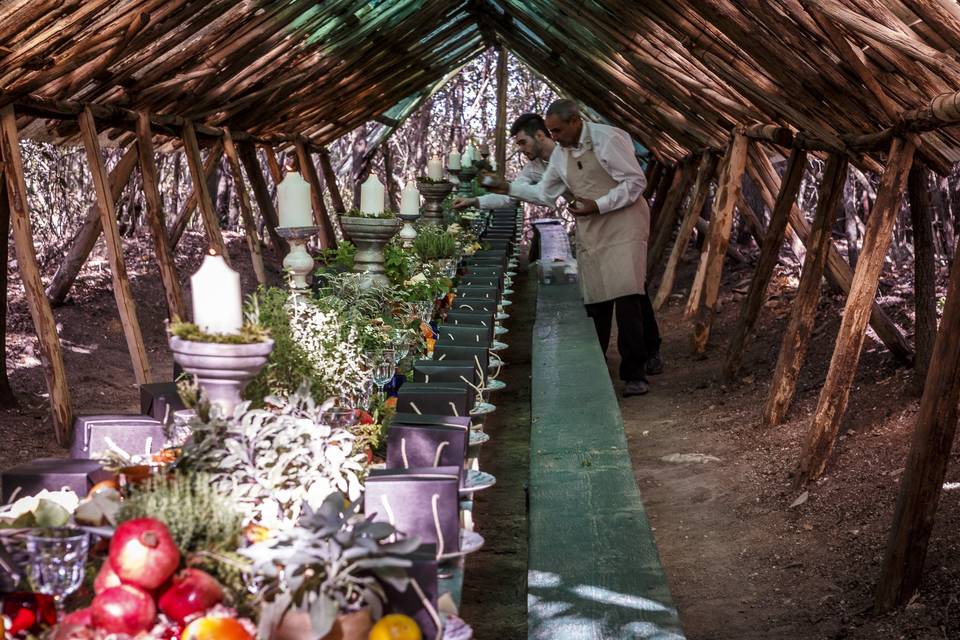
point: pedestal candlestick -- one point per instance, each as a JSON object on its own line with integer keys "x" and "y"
{"x": 434, "y": 194}
{"x": 298, "y": 261}
{"x": 222, "y": 370}
{"x": 370, "y": 235}
{"x": 465, "y": 175}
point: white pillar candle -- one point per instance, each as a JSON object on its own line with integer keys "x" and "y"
{"x": 493, "y": 163}
{"x": 293, "y": 195}
{"x": 410, "y": 200}
{"x": 434, "y": 168}
{"x": 372, "y": 195}
{"x": 453, "y": 160}
{"x": 469, "y": 155}
{"x": 215, "y": 289}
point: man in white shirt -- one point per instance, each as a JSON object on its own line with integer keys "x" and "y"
{"x": 597, "y": 164}
{"x": 530, "y": 135}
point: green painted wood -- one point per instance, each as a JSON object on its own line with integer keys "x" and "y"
{"x": 594, "y": 571}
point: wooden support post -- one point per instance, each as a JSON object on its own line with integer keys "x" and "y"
{"x": 248, "y": 156}
{"x": 389, "y": 182}
{"x": 653, "y": 178}
{"x": 210, "y": 222}
{"x": 846, "y": 354}
{"x": 51, "y": 355}
{"x": 501, "y": 129}
{"x": 246, "y": 211}
{"x": 696, "y": 288}
{"x": 803, "y": 311}
{"x": 111, "y": 233}
{"x": 182, "y": 220}
{"x": 838, "y": 270}
{"x": 682, "y": 179}
{"x": 924, "y": 271}
{"x": 155, "y": 218}
{"x": 926, "y": 465}
{"x": 769, "y": 252}
{"x": 320, "y": 215}
{"x": 659, "y": 196}
{"x": 721, "y": 224}
{"x": 86, "y": 238}
{"x": 330, "y": 178}
{"x": 701, "y": 189}
{"x": 273, "y": 165}
{"x": 7, "y": 398}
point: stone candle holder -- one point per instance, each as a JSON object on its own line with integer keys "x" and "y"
{"x": 465, "y": 175}
{"x": 222, "y": 370}
{"x": 370, "y": 235}
{"x": 298, "y": 261}
{"x": 408, "y": 233}
{"x": 434, "y": 194}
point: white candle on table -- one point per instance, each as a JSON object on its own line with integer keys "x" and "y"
{"x": 372, "y": 195}
{"x": 434, "y": 168}
{"x": 469, "y": 155}
{"x": 293, "y": 196}
{"x": 410, "y": 200}
{"x": 453, "y": 160}
{"x": 493, "y": 163}
{"x": 215, "y": 289}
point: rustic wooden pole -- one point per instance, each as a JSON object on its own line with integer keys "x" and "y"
{"x": 89, "y": 232}
{"x": 659, "y": 198}
{"x": 155, "y": 218}
{"x": 701, "y": 189}
{"x": 803, "y": 310}
{"x": 182, "y": 220}
{"x": 389, "y": 182}
{"x": 721, "y": 224}
{"x": 51, "y": 355}
{"x": 8, "y": 400}
{"x": 248, "y": 156}
{"x": 330, "y": 178}
{"x": 682, "y": 179}
{"x": 320, "y": 215}
{"x": 246, "y": 211}
{"x": 924, "y": 271}
{"x": 276, "y": 171}
{"x": 501, "y": 129}
{"x": 118, "y": 270}
{"x": 846, "y": 354}
{"x": 653, "y": 178}
{"x": 926, "y": 465}
{"x": 210, "y": 222}
{"x": 769, "y": 252}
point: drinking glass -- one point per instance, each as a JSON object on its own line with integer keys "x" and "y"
{"x": 383, "y": 369}
{"x": 401, "y": 345}
{"x": 341, "y": 415}
{"x": 57, "y": 557}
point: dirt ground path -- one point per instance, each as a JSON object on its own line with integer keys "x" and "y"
{"x": 741, "y": 562}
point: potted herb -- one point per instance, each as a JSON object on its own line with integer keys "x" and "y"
{"x": 323, "y": 577}
{"x": 370, "y": 232}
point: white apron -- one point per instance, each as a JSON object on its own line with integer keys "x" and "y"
{"x": 612, "y": 246}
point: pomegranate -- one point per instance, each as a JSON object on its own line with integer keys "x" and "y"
{"x": 142, "y": 552}
{"x": 80, "y": 617}
{"x": 124, "y": 609}
{"x": 192, "y": 591}
{"x": 106, "y": 578}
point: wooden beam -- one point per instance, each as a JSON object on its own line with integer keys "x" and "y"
{"x": 51, "y": 356}
{"x": 769, "y": 252}
{"x": 856, "y": 313}
{"x": 679, "y": 186}
{"x": 924, "y": 270}
{"x": 803, "y": 309}
{"x": 652, "y": 177}
{"x": 721, "y": 225}
{"x": 210, "y": 222}
{"x": 330, "y": 178}
{"x": 701, "y": 189}
{"x": 246, "y": 211}
{"x": 276, "y": 171}
{"x": 661, "y": 189}
{"x": 85, "y": 239}
{"x": 111, "y": 233}
{"x": 248, "y": 156}
{"x": 926, "y": 465}
{"x": 501, "y": 128}
{"x": 182, "y": 221}
{"x": 320, "y": 216}
{"x": 7, "y": 398}
{"x": 155, "y": 219}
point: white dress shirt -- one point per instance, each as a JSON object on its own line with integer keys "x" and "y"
{"x": 530, "y": 175}
{"x": 614, "y": 151}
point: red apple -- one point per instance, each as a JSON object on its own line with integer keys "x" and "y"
{"x": 106, "y": 578}
{"x": 143, "y": 553}
{"x": 124, "y": 609}
{"x": 192, "y": 591}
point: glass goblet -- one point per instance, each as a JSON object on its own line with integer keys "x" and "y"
{"x": 341, "y": 416}
{"x": 384, "y": 368}
{"x": 57, "y": 557}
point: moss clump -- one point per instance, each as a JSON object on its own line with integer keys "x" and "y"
{"x": 248, "y": 334}
{"x": 356, "y": 213}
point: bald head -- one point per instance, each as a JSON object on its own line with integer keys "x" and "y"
{"x": 564, "y": 122}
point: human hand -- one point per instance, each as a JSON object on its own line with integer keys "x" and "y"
{"x": 464, "y": 203}
{"x": 584, "y": 207}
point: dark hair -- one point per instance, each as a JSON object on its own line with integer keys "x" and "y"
{"x": 565, "y": 109}
{"x": 529, "y": 123}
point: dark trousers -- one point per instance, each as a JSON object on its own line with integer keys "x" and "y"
{"x": 638, "y": 336}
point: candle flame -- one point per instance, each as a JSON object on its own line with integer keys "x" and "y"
{"x": 212, "y": 251}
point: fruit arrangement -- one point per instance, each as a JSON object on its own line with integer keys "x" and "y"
{"x": 141, "y": 594}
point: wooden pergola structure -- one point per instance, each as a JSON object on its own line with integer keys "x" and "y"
{"x": 713, "y": 88}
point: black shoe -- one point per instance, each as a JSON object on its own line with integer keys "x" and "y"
{"x": 654, "y": 364}
{"x": 635, "y": 388}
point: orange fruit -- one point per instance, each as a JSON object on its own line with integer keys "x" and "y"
{"x": 216, "y": 629}
{"x": 104, "y": 484}
{"x": 395, "y": 626}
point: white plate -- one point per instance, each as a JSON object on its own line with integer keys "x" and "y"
{"x": 495, "y": 385}
{"x": 508, "y": 292}
{"x": 478, "y": 437}
{"x": 483, "y": 409}
{"x": 476, "y": 480}
{"x": 470, "y": 541}
{"x": 506, "y": 303}
{"x": 499, "y": 331}
{"x": 499, "y": 346}
{"x": 454, "y": 628}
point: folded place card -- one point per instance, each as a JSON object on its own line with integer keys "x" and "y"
{"x": 422, "y": 446}
{"x": 419, "y": 600}
{"x": 417, "y": 502}
{"x": 53, "y": 474}
{"x": 134, "y": 434}
{"x": 449, "y": 398}
{"x": 160, "y": 400}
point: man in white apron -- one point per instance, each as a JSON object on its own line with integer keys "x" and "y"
{"x": 596, "y": 163}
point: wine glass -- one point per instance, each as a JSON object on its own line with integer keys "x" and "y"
{"x": 340, "y": 415}
{"x": 57, "y": 557}
{"x": 401, "y": 345}
{"x": 383, "y": 369}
